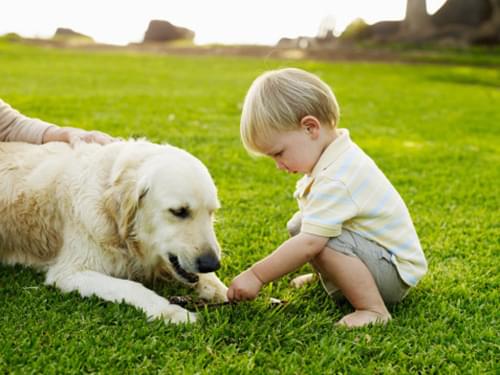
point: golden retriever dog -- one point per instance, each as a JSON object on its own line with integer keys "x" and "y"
{"x": 95, "y": 218}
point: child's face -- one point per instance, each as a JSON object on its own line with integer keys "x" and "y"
{"x": 295, "y": 151}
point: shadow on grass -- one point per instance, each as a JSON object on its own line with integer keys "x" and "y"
{"x": 463, "y": 78}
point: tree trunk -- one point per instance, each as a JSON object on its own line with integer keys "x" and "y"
{"x": 417, "y": 21}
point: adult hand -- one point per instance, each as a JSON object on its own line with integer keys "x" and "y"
{"x": 245, "y": 286}
{"x": 74, "y": 136}
{"x": 77, "y": 135}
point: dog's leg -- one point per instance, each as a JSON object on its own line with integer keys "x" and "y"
{"x": 211, "y": 288}
{"x": 112, "y": 289}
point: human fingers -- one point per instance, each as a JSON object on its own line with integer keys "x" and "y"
{"x": 234, "y": 293}
{"x": 99, "y": 137}
{"x": 77, "y": 136}
{"x": 243, "y": 295}
{"x": 230, "y": 293}
{"x": 238, "y": 294}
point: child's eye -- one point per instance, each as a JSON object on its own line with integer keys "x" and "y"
{"x": 277, "y": 154}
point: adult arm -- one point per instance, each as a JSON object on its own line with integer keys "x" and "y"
{"x": 16, "y": 127}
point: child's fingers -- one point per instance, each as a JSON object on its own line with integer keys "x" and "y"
{"x": 230, "y": 294}
{"x": 237, "y": 296}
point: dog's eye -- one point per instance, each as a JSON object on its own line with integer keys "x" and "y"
{"x": 182, "y": 212}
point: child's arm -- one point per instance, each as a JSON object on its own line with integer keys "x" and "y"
{"x": 292, "y": 254}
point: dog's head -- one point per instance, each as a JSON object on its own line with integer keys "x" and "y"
{"x": 166, "y": 202}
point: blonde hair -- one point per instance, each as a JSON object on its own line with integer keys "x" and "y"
{"x": 278, "y": 100}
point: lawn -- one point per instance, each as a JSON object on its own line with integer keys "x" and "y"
{"x": 433, "y": 129}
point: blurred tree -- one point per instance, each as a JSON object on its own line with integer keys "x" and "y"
{"x": 489, "y": 32}
{"x": 354, "y": 29}
{"x": 70, "y": 36}
{"x": 475, "y": 21}
{"x": 463, "y": 12}
{"x": 458, "y": 22}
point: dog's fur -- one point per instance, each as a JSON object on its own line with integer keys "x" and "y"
{"x": 97, "y": 217}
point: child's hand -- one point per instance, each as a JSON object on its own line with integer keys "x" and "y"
{"x": 245, "y": 286}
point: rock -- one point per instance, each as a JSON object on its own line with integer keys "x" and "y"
{"x": 163, "y": 31}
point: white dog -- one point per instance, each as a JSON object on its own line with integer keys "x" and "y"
{"x": 96, "y": 217}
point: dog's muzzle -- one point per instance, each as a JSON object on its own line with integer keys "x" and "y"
{"x": 188, "y": 276}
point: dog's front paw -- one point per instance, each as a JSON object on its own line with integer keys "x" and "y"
{"x": 210, "y": 288}
{"x": 182, "y": 316}
{"x": 213, "y": 293}
{"x": 173, "y": 314}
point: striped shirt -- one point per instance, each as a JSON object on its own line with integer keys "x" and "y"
{"x": 346, "y": 189}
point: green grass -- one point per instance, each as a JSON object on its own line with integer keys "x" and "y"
{"x": 433, "y": 129}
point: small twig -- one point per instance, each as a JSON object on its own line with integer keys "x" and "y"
{"x": 188, "y": 300}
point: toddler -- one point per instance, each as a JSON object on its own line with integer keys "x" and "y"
{"x": 352, "y": 225}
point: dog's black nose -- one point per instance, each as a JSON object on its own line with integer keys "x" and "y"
{"x": 207, "y": 263}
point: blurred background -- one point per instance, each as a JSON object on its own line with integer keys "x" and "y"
{"x": 304, "y": 25}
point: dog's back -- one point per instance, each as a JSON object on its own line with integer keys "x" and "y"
{"x": 53, "y": 193}
{"x": 30, "y": 220}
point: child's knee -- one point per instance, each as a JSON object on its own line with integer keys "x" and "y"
{"x": 326, "y": 255}
{"x": 318, "y": 262}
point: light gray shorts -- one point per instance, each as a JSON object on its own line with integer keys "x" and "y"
{"x": 378, "y": 261}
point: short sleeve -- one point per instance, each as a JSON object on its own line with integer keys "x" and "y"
{"x": 327, "y": 206}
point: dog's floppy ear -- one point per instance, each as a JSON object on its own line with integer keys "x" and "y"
{"x": 122, "y": 200}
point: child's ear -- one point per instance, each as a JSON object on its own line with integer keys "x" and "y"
{"x": 311, "y": 125}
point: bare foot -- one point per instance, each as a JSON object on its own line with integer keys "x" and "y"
{"x": 360, "y": 318}
{"x": 300, "y": 281}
